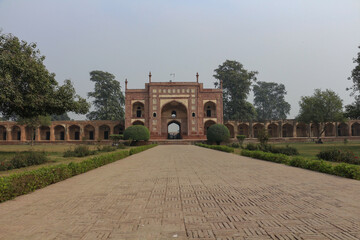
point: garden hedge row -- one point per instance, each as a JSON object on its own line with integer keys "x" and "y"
{"x": 216, "y": 147}
{"x": 22, "y": 183}
{"x": 342, "y": 169}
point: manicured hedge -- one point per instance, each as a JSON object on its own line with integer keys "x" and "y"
{"x": 137, "y": 133}
{"x": 342, "y": 169}
{"x": 22, "y": 183}
{"x": 272, "y": 157}
{"x": 218, "y": 133}
{"x": 216, "y": 147}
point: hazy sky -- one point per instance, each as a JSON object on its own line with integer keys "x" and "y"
{"x": 304, "y": 44}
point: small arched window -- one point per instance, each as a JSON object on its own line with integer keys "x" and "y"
{"x": 193, "y": 114}
{"x": 173, "y": 114}
{"x": 154, "y": 114}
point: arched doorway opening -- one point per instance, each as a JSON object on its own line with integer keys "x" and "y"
{"x": 174, "y": 129}
{"x": 273, "y": 130}
{"x": 138, "y": 123}
{"x": 243, "y": 129}
{"x": 2, "y": 133}
{"x": 231, "y": 130}
{"x": 209, "y": 110}
{"x": 59, "y": 133}
{"x": 16, "y": 133}
{"x": 287, "y": 130}
{"x": 174, "y": 112}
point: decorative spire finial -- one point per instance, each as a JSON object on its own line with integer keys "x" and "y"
{"x": 150, "y": 76}
{"x": 126, "y": 82}
{"x": 197, "y": 77}
{"x": 221, "y": 84}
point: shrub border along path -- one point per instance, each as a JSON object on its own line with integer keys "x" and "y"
{"x": 22, "y": 183}
{"x": 341, "y": 169}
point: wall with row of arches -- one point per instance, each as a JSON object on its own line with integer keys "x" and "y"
{"x": 293, "y": 129}
{"x": 61, "y": 131}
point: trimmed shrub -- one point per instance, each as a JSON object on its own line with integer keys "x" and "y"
{"x": 272, "y": 157}
{"x": 137, "y": 133}
{"x": 234, "y": 145}
{"x": 251, "y": 147}
{"x": 24, "y": 159}
{"x": 218, "y": 133}
{"x": 79, "y": 151}
{"x": 263, "y": 136}
{"x": 342, "y": 170}
{"x": 23, "y": 183}
{"x": 106, "y": 148}
{"x": 216, "y": 147}
{"x": 337, "y": 155}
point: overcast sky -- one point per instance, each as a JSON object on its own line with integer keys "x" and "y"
{"x": 304, "y": 44}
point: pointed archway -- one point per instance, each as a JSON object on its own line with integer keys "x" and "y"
{"x": 176, "y": 113}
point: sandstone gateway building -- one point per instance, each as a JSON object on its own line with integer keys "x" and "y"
{"x": 188, "y": 105}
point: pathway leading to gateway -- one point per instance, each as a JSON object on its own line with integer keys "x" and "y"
{"x": 188, "y": 192}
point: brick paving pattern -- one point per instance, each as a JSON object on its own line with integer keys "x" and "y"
{"x": 188, "y": 192}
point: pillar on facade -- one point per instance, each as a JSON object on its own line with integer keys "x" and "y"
{"x": 251, "y": 134}
{"x": 97, "y": 129}
{"x": 349, "y": 128}
{"x": 37, "y": 134}
{"x": 52, "y": 133}
{"x": 67, "y": 133}
{"x": 8, "y": 134}
{"x": 280, "y": 133}
{"x": 309, "y": 129}
{"x": 294, "y": 130}
{"x": 22, "y": 133}
{"x": 82, "y": 133}
{"x": 236, "y": 130}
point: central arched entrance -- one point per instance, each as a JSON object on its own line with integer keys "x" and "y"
{"x": 174, "y": 129}
{"x": 174, "y": 120}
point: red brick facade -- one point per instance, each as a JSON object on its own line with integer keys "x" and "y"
{"x": 188, "y": 104}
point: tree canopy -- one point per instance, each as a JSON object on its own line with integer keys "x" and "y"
{"x": 108, "y": 101}
{"x": 236, "y": 86}
{"x": 62, "y": 117}
{"x": 353, "y": 110}
{"x": 320, "y": 108}
{"x": 27, "y": 88}
{"x": 269, "y": 101}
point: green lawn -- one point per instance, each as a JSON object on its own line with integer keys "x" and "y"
{"x": 54, "y": 152}
{"x": 310, "y": 149}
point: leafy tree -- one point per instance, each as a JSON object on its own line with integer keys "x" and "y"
{"x": 27, "y": 89}
{"x": 236, "y": 86}
{"x": 269, "y": 101}
{"x": 320, "y": 108}
{"x": 108, "y": 101}
{"x": 353, "y": 110}
{"x": 62, "y": 117}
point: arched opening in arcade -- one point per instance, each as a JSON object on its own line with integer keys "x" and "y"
{"x": 2, "y": 133}
{"x": 231, "y": 130}
{"x": 301, "y": 130}
{"x": 174, "y": 112}
{"x": 16, "y": 133}
{"x": 44, "y": 133}
{"x": 59, "y": 133}
{"x": 30, "y": 132}
{"x": 257, "y": 129}
{"x": 119, "y": 129}
{"x": 273, "y": 130}
{"x": 343, "y": 130}
{"x": 89, "y": 132}
{"x": 74, "y": 132}
{"x": 243, "y": 129}
{"x": 287, "y": 130}
{"x": 355, "y": 129}
{"x": 329, "y": 130}
{"x": 104, "y": 132}
{"x": 174, "y": 130}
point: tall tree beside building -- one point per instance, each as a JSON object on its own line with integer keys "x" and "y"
{"x": 353, "y": 110}
{"x": 320, "y": 108}
{"x": 27, "y": 89}
{"x": 236, "y": 85}
{"x": 269, "y": 101}
{"x": 108, "y": 101}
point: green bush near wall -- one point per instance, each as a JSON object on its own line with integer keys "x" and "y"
{"x": 23, "y": 183}
{"x": 216, "y": 147}
{"x": 342, "y": 169}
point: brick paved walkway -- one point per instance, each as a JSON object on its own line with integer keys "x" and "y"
{"x": 186, "y": 192}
